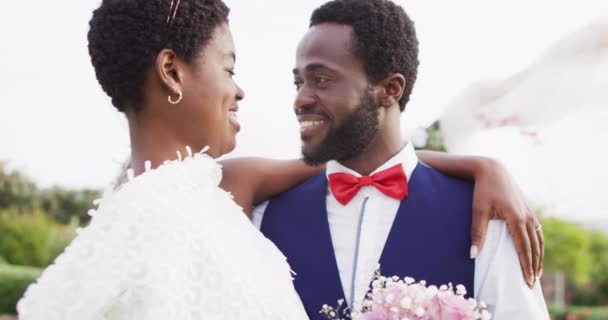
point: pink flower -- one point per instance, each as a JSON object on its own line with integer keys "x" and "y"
{"x": 374, "y": 315}
{"x": 453, "y": 307}
{"x": 393, "y": 299}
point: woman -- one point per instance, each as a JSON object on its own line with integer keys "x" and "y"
{"x": 170, "y": 243}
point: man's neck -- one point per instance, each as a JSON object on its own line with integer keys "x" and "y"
{"x": 378, "y": 152}
{"x": 385, "y": 145}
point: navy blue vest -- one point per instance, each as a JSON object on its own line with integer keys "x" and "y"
{"x": 429, "y": 239}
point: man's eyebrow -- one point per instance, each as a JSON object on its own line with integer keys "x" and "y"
{"x": 311, "y": 67}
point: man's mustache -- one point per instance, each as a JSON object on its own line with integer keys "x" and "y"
{"x": 311, "y": 111}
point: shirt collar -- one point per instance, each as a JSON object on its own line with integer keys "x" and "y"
{"x": 407, "y": 157}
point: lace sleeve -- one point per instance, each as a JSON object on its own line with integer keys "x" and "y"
{"x": 102, "y": 271}
{"x": 90, "y": 275}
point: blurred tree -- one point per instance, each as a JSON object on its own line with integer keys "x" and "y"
{"x": 16, "y": 191}
{"x": 435, "y": 140}
{"x": 567, "y": 248}
{"x": 595, "y": 293}
{"x": 571, "y": 263}
{"x": 31, "y": 239}
{"x": 21, "y": 195}
{"x": 431, "y": 139}
{"x": 599, "y": 273}
{"x": 66, "y": 205}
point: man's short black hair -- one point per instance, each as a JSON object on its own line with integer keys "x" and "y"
{"x": 384, "y": 37}
{"x": 125, "y": 37}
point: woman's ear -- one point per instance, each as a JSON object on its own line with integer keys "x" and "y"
{"x": 169, "y": 70}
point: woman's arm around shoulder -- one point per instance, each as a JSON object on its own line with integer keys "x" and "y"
{"x": 254, "y": 180}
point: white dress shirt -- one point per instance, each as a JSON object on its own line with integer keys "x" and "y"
{"x": 360, "y": 229}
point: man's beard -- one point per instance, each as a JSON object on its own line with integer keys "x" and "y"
{"x": 349, "y": 139}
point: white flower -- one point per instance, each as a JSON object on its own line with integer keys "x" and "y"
{"x": 406, "y": 303}
{"x": 473, "y": 303}
{"x": 413, "y": 298}
{"x": 431, "y": 292}
{"x": 461, "y": 290}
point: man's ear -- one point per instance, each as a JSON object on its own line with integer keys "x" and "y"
{"x": 169, "y": 70}
{"x": 391, "y": 90}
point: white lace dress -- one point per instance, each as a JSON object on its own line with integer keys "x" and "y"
{"x": 168, "y": 244}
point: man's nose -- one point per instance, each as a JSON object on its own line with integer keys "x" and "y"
{"x": 304, "y": 99}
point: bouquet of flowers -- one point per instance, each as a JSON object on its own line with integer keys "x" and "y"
{"x": 397, "y": 299}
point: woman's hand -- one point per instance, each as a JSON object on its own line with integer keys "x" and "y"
{"x": 497, "y": 196}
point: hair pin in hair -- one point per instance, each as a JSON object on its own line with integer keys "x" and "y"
{"x": 172, "y": 11}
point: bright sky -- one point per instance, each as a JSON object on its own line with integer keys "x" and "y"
{"x": 59, "y": 127}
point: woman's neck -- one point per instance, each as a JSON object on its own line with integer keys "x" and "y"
{"x": 152, "y": 141}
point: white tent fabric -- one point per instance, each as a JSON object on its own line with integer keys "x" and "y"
{"x": 548, "y": 124}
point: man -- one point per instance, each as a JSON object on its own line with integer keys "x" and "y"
{"x": 376, "y": 203}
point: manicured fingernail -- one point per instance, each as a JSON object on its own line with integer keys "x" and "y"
{"x": 540, "y": 274}
{"x": 532, "y": 280}
{"x": 474, "y": 251}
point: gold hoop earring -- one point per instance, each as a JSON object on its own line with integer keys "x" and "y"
{"x": 179, "y": 98}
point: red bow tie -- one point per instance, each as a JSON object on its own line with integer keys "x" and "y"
{"x": 392, "y": 182}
